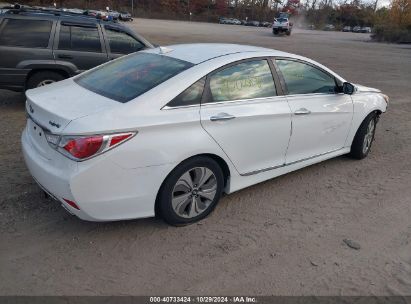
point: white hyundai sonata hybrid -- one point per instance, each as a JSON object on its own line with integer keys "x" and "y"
{"x": 167, "y": 131}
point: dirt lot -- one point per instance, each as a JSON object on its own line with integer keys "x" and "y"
{"x": 282, "y": 237}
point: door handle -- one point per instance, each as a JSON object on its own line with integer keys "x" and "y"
{"x": 222, "y": 116}
{"x": 302, "y": 111}
{"x": 63, "y": 56}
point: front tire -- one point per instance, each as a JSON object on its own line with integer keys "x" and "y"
{"x": 191, "y": 191}
{"x": 364, "y": 137}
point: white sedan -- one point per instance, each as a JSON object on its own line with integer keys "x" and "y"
{"x": 167, "y": 131}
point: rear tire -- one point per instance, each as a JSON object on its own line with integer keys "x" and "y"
{"x": 364, "y": 137}
{"x": 43, "y": 78}
{"x": 191, "y": 191}
{"x": 275, "y": 32}
{"x": 288, "y": 33}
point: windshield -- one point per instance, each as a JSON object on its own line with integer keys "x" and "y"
{"x": 282, "y": 19}
{"x": 128, "y": 77}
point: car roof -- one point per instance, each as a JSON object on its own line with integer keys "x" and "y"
{"x": 64, "y": 16}
{"x": 51, "y": 14}
{"x": 199, "y": 52}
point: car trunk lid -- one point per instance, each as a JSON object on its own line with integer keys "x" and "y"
{"x": 54, "y": 106}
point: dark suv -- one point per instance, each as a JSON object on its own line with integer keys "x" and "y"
{"x": 38, "y": 47}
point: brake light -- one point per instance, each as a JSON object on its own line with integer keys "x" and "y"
{"x": 80, "y": 148}
{"x": 84, "y": 147}
{"x": 119, "y": 138}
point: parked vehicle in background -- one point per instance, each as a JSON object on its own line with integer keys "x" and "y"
{"x": 365, "y": 29}
{"x": 356, "y": 29}
{"x": 75, "y": 10}
{"x": 252, "y": 23}
{"x": 282, "y": 25}
{"x": 125, "y": 16}
{"x": 311, "y": 27}
{"x": 114, "y": 14}
{"x": 92, "y": 13}
{"x": 265, "y": 24}
{"x": 137, "y": 137}
{"x": 329, "y": 27}
{"x": 346, "y": 28}
{"x": 38, "y": 47}
{"x": 224, "y": 20}
{"x": 233, "y": 21}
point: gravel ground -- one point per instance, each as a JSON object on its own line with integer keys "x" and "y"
{"x": 282, "y": 237}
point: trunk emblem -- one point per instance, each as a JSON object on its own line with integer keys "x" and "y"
{"x": 31, "y": 109}
{"x": 54, "y": 124}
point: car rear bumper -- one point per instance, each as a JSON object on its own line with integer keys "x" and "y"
{"x": 101, "y": 189}
{"x": 47, "y": 173}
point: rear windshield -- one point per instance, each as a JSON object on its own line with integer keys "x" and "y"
{"x": 282, "y": 20}
{"x": 131, "y": 76}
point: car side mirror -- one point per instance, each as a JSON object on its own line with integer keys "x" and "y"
{"x": 348, "y": 88}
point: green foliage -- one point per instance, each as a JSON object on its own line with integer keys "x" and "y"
{"x": 394, "y": 24}
{"x": 389, "y": 33}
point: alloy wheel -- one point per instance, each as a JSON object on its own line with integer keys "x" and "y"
{"x": 45, "y": 82}
{"x": 369, "y": 136}
{"x": 194, "y": 192}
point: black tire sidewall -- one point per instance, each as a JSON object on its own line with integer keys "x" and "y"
{"x": 358, "y": 142}
{"x": 38, "y": 77}
{"x": 165, "y": 208}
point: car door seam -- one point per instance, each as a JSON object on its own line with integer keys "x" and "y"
{"x": 221, "y": 148}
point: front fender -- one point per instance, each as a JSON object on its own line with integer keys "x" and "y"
{"x": 364, "y": 103}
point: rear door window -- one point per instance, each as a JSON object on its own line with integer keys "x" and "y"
{"x": 246, "y": 80}
{"x": 79, "y": 38}
{"x": 191, "y": 96}
{"x": 26, "y": 33}
{"x": 121, "y": 42}
{"x": 128, "y": 77}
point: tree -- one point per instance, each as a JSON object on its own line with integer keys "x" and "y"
{"x": 292, "y": 6}
{"x": 221, "y": 7}
{"x": 401, "y": 12}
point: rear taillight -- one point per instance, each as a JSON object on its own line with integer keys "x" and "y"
{"x": 80, "y": 148}
{"x": 84, "y": 147}
{"x": 116, "y": 139}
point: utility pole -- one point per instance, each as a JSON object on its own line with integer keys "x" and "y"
{"x": 132, "y": 8}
